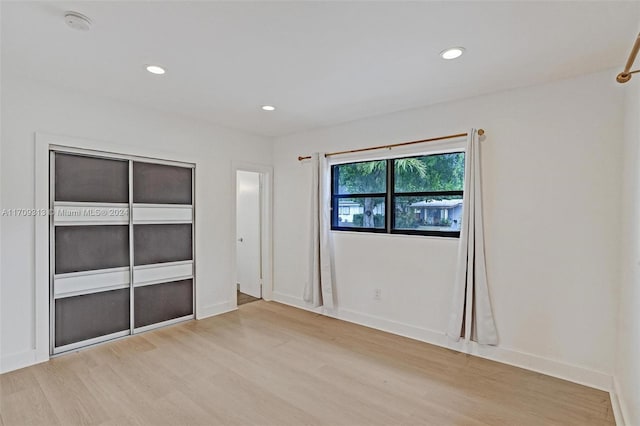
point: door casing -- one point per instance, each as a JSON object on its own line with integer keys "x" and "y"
{"x": 266, "y": 218}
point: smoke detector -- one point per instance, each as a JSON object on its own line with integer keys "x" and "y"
{"x": 77, "y": 21}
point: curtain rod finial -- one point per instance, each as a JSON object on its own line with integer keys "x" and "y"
{"x": 480, "y": 132}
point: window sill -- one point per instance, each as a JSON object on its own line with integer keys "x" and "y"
{"x": 386, "y": 234}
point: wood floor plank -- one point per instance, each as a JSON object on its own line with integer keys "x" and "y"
{"x": 270, "y": 364}
{"x": 39, "y": 411}
{"x": 61, "y": 384}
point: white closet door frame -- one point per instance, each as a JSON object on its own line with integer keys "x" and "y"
{"x": 39, "y": 351}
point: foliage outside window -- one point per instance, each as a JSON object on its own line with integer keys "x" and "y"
{"x": 420, "y": 195}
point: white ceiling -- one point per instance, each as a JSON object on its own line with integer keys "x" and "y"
{"x": 320, "y": 63}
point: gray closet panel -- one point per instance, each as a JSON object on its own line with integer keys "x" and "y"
{"x": 162, "y": 302}
{"x": 162, "y": 243}
{"x": 89, "y": 179}
{"x": 86, "y": 248}
{"x": 93, "y": 315}
{"x": 161, "y": 184}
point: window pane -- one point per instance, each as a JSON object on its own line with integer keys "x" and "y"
{"x": 361, "y": 178}
{"x": 442, "y": 172}
{"x": 364, "y": 212}
{"x": 428, "y": 213}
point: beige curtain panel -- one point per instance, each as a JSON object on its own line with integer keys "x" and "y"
{"x": 471, "y": 314}
{"x": 318, "y": 290}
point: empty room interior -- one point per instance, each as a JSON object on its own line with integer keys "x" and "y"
{"x": 319, "y": 213}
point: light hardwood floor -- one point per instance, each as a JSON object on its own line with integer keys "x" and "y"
{"x": 243, "y": 298}
{"x": 270, "y": 364}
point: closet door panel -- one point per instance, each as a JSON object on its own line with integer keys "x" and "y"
{"x": 162, "y": 302}
{"x": 161, "y": 184}
{"x": 86, "y": 248}
{"x": 89, "y": 316}
{"x": 89, "y": 179}
{"x": 162, "y": 243}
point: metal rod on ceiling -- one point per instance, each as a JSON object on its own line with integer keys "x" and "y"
{"x": 625, "y": 75}
{"x": 351, "y": 151}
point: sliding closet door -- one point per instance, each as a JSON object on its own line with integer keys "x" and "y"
{"x": 163, "y": 244}
{"x": 90, "y": 255}
{"x": 121, "y": 247}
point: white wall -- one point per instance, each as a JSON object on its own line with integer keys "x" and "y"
{"x": 29, "y": 107}
{"x": 551, "y": 169}
{"x": 627, "y": 374}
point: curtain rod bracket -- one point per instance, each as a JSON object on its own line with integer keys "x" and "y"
{"x": 626, "y": 74}
{"x": 623, "y": 77}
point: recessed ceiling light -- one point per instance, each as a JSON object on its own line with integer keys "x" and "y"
{"x": 155, "y": 69}
{"x": 452, "y": 53}
{"x": 268, "y": 107}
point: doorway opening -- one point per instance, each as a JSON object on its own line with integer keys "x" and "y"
{"x": 252, "y": 248}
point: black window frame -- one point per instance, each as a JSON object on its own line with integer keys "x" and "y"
{"x": 389, "y": 200}
{"x": 335, "y": 197}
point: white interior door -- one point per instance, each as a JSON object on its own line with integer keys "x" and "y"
{"x": 248, "y": 206}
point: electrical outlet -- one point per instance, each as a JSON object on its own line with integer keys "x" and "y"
{"x": 377, "y": 295}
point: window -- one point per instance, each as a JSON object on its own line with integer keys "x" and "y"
{"x": 420, "y": 195}
{"x": 362, "y": 188}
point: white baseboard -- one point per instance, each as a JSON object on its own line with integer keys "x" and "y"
{"x": 21, "y": 360}
{"x": 217, "y": 309}
{"x": 618, "y": 404}
{"x": 617, "y": 411}
{"x": 572, "y": 373}
{"x": 296, "y": 302}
